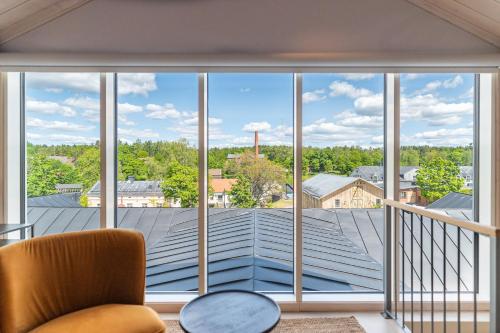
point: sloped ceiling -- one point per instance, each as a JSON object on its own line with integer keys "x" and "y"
{"x": 247, "y": 27}
{"x": 480, "y": 17}
{"x": 20, "y": 16}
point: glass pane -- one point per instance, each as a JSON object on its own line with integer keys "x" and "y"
{"x": 437, "y": 118}
{"x": 157, "y": 186}
{"x": 62, "y": 151}
{"x": 250, "y": 199}
{"x": 343, "y": 175}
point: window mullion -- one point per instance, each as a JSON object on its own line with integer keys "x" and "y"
{"x": 202, "y": 184}
{"x": 297, "y": 167}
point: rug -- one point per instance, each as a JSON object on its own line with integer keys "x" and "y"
{"x": 303, "y": 325}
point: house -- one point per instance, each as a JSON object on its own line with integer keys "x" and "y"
{"x": 371, "y": 173}
{"x": 69, "y": 188}
{"x": 132, "y": 193}
{"x": 467, "y": 174}
{"x": 333, "y": 191}
{"x": 215, "y": 173}
{"x": 220, "y": 196}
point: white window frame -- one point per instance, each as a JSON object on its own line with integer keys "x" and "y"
{"x": 295, "y": 301}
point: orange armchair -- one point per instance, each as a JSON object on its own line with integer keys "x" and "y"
{"x": 91, "y": 281}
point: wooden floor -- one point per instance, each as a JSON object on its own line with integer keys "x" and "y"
{"x": 372, "y": 322}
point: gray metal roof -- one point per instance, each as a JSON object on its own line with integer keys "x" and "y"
{"x": 135, "y": 188}
{"x": 453, "y": 200}
{"x": 467, "y": 171}
{"x": 68, "y": 186}
{"x": 369, "y": 172}
{"x": 56, "y": 200}
{"x": 252, "y": 249}
{"x": 323, "y": 184}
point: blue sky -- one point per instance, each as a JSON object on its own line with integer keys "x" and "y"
{"x": 338, "y": 109}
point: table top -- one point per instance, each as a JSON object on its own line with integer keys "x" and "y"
{"x": 230, "y": 311}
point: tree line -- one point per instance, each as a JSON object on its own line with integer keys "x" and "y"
{"x": 175, "y": 163}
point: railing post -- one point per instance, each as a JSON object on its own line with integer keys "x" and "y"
{"x": 494, "y": 285}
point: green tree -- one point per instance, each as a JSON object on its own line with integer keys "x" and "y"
{"x": 265, "y": 176}
{"x": 241, "y": 193}
{"x": 88, "y": 167}
{"x": 44, "y": 173}
{"x": 181, "y": 184}
{"x": 438, "y": 177}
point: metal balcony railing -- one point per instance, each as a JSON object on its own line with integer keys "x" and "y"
{"x": 432, "y": 269}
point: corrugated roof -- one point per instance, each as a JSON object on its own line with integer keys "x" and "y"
{"x": 252, "y": 249}
{"x": 136, "y": 188}
{"x": 56, "y": 200}
{"x": 323, "y": 184}
{"x": 369, "y": 172}
{"x": 453, "y": 200}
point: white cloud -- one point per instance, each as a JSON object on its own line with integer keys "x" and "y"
{"x": 313, "y": 96}
{"x": 358, "y": 76}
{"x": 58, "y": 125}
{"x": 373, "y": 104}
{"x": 129, "y": 108}
{"x": 262, "y": 126}
{"x": 138, "y": 133}
{"x": 454, "y": 82}
{"x": 441, "y": 137}
{"x": 165, "y": 111}
{"x": 47, "y": 107}
{"x": 57, "y": 82}
{"x": 436, "y": 84}
{"x": 431, "y": 109}
{"x": 91, "y": 115}
{"x": 412, "y": 76}
{"x": 71, "y": 139}
{"x": 83, "y": 102}
{"x": 341, "y": 88}
{"x": 123, "y": 120}
{"x": 451, "y": 120}
{"x": 245, "y": 90}
{"x": 136, "y": 83}
{"x": 362, "y": 121}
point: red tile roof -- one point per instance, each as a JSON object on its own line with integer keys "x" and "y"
{"x": 221, "y": 185}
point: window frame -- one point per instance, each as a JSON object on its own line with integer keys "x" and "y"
{"x": 108, "y": 96}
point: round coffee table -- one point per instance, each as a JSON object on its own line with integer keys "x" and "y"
{"x": 230, "y": 311}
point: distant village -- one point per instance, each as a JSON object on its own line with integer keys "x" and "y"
{"x": 364, "y": 188}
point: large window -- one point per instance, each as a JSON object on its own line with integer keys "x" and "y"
{"x": 157, "y": 185}
{"x": 251, "y": 195}
{"x": 250, "y": 199}
{"x": 62, "y": 150}
{"x": 343, "y": 179}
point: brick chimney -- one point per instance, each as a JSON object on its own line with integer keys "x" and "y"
{"x": 256, "y": 142}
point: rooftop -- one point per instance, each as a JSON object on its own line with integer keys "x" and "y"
{"x": 132, "y": 187}
{"x": 323, "y": 184}
{"x": 222, "y": 185}
{"x": 252, "y": 248}
{"x": 453, "y": 200}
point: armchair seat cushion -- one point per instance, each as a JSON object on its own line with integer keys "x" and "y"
{"x": 109, "y": 318}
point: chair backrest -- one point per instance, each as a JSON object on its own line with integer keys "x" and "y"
{"x": 46, "y": 277}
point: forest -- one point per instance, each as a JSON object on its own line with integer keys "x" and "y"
{"x": 160, "y": 160}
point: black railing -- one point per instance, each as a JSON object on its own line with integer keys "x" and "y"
{"x": 432, "y": 267}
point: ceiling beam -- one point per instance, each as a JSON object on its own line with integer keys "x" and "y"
{"x": 479, "y": 17}
{"x": 33, "y": 20}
